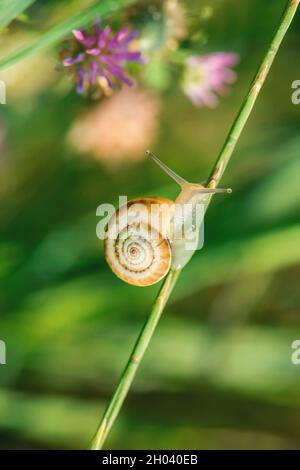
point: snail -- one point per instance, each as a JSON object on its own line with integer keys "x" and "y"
{"x": 148, "y": 236}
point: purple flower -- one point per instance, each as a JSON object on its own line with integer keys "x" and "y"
{"x": 98, "y": 59}
{"x": 206, "y": 76}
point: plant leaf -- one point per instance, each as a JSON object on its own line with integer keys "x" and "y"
{"x": 103, "y": 8}
{"x": 9, "y": 9}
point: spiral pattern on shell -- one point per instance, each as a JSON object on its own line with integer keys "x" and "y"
{"x": 136, "y": 244}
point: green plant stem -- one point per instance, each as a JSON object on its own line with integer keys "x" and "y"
{"x": 134, "y": 360}
{"x": 148, "y": 329}
{"x": 10, "y": 9}
{"x": 101, "y": 8}
{"x": 255, "y": 88}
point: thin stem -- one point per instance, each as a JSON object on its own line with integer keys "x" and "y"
{"x": 135, "y": 358}
{"x": 255, "y": 88}
{"x": 148, "y": 329}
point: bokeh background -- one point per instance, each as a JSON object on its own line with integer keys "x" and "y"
{"x": 218, "y": 373}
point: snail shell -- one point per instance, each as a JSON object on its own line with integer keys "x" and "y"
{"x": 136, "y": 243}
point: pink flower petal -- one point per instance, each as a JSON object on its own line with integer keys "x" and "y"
{"x": 95, "y": 51}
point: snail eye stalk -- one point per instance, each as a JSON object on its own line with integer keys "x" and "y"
{"x": 166, "y": 169}
{"x": 216, "y": 190}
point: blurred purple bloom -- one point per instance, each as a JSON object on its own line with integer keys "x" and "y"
{"x": 206, "y": 76}
{"x": 100, "y": 55}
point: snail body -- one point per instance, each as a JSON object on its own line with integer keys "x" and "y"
{"x": 148, "y": 236}
{"x": 185, "y": 225}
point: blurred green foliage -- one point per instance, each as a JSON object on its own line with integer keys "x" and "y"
{"x": 218, "y": 373}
